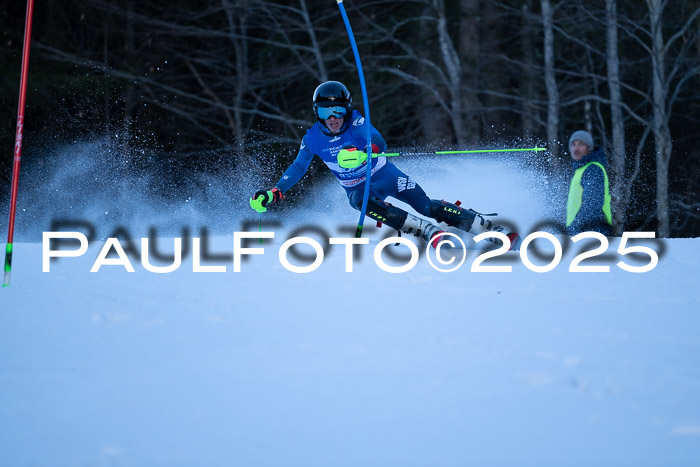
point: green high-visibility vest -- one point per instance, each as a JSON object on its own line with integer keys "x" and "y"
{"x": 576, "y": 195}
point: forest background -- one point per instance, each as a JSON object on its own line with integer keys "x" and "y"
{"x": 183, "y": 85}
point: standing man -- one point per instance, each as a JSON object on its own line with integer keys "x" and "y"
{"x": 339, "y": 127}
{"x": 588, "y": 208}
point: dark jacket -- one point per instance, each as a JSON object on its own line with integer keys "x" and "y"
{"x": 591, "y": 217}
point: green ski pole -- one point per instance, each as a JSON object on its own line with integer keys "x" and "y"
{"x": 352, "y": 158}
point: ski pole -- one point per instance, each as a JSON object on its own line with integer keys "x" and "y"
{"x": 18, "y": 141}
{"x": 258, "y": 206}
{"x": 260, "y": 223}
{"x": 352, "y": 158}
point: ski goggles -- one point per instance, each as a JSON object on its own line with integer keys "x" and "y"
{"x": 324, "y": 113}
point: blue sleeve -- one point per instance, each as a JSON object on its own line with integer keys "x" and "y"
{"x": 359, "y": 129}
{"x": 378, "y": 140}
{"x": 375, "y": 137}
{"x": 298, "y": 168}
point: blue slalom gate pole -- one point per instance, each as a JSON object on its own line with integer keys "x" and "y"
{"x": 365, "y": 101}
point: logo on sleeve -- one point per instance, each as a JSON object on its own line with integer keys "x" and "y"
{"x": 358, "y": 121}
{"x": 405, "y": 184}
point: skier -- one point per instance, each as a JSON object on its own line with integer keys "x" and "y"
{"x": 340, "y": 127}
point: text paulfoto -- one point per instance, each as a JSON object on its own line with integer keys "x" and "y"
{"x": 112, "y": 253}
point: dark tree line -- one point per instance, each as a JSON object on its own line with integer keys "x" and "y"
{"x": 185, "y": 77}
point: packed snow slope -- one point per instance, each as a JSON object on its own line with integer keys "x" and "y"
{"x": 269, "y": 367}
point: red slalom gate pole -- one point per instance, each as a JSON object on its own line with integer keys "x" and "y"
{"x": 18, "y": 140}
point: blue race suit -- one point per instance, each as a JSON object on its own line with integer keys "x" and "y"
{"x": 387, "y": 180}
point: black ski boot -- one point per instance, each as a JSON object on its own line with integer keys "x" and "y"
{"x": 470, "y": 221}
{"x": 402, "y": 221}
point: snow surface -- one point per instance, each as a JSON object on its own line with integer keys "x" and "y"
{"x": 268, "y": 368}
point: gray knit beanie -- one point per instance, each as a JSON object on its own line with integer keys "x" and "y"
{"x": 583, "y": 136}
